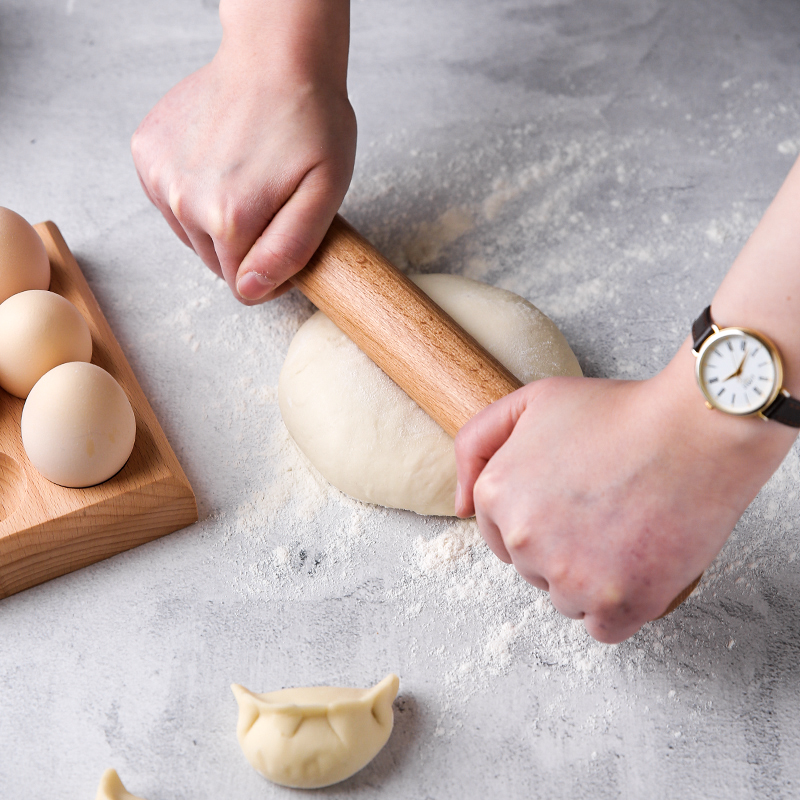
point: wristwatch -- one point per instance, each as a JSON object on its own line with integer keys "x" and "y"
{"x": 740, "y": 372}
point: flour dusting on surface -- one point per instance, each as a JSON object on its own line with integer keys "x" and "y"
{"x": 463, "y": 615}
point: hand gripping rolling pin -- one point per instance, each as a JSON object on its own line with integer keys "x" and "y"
{"x": 422, "y": 349}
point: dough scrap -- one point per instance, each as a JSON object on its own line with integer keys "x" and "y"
{"x": 111, "y": 788}
{"x": 311, "y": 737}
{"x": 365, "y": 435}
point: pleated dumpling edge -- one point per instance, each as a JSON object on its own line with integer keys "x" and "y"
{"x": 311, "y": 737}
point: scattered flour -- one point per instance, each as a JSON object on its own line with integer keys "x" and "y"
{"x": 432, "y": 238}
{"x": 466, "y": 616}
{"x": 474, "y": 619}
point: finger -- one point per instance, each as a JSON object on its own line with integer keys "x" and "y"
{"x": 144, "y": 186}
{"x": 290, "y": 239}
{"x": 535, "y": 579}
{"x": 609, "y": 631}
{"x": 479, "y": 440}
{"x": 613, "y": 614}
{"x": 166, "y": 212}
{"x": 491, "y": 535}
{"x": 177, "y": 228}
{"x": 569, "y": 607}
{"x": 204, "y": 247}
{"x": 181, "y": 208}
{"x": 193, "y": 237}
{"x": 279, "y": 292}
{"x": 522, "y": 556}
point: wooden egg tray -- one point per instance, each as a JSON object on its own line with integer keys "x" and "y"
{"x": 48, "y": 530}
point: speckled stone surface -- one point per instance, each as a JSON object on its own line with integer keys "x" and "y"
{"x": 606, "y": 159}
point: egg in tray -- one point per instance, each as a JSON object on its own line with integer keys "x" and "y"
{"x": 85, "y": 469}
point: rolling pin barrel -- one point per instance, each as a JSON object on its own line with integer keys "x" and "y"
{"x": 394, "y": 323}
{"x": 423, "y": 350}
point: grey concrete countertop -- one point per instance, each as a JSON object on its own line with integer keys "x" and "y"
{"x": 606, "y": 159}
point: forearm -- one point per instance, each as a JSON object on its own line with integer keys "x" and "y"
{"x": 762, "y": 289}
{"x": 305, "y": 39}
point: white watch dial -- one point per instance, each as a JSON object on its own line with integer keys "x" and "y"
{"x": 737, "y": 372}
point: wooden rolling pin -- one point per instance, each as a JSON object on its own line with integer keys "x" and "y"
{"x": 422, "y": 349}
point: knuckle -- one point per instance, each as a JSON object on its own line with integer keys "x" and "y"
{"x": 516, "y": 538}
{"x": 177, "y": 202}
{"x": 561, "y": 574}
{"x": 488, "y": 489}
{"x": 610, "y": 603}
{"x": 136, "y": 145}
{"x": 612, "y": 617}
{"x": 152, "y": 176}
{"x": 226, "y": 218}
{"x": 139, "y": 140}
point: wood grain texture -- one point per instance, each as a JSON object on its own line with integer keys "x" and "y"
{"x": 48, "y": 530}
{"x": 420, "y": 347}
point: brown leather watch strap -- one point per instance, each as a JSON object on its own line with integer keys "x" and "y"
{"x": 784, "y": 409}
{"x": 702, "y": 328}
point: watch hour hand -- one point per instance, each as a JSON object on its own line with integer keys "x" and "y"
{"x": 738, "y": 371}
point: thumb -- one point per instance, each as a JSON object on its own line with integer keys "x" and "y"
{"x": 481, "y": 438}
{"x": 290, "y": 239}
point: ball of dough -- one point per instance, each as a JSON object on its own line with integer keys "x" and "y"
{"x": 311, "y": 737}
{"x": 78, "y": 427}
{"x": 365, "y": 435}
{"x": 23, "y": 259}
{"x": 39, "y": 330}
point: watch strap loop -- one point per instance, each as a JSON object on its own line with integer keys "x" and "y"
{"x": 785, "y": 409}
{"x": 702, "y": 328}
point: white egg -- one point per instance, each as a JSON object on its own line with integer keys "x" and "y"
{"x": 23, "y": 258}
{"x": 78, "y": 427}
{"x": 39, "y": 330}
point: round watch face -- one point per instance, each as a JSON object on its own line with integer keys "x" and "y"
{"x": 737, "y": 371}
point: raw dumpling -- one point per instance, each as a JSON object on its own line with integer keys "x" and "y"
{"x": 111, "y": 788}
{"x": 312, "y": 737}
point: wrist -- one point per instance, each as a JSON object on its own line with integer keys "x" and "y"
{"x": 304, "y": 42}
{"x": 744, "y": 451}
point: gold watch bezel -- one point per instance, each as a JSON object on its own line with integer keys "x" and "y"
{"x": 721, "y": 334}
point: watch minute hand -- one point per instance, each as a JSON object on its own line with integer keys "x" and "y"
{"x": 738, "y": 371}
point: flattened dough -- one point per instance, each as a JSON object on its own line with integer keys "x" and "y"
{"x": 365, "y": 435}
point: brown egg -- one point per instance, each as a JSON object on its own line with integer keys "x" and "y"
{"x": 39, "y": 330}
{"x": 23, "y": 258}
{"x": 78, "y": 427}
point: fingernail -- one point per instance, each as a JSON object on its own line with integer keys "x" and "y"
{"x": 254, "y": 286}
{"x": 458, "y": 497}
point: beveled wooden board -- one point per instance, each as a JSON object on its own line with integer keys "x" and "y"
{"x": 48, "y": 530}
